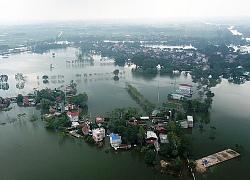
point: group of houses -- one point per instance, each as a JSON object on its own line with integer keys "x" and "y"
{"x": 156, "y": 134}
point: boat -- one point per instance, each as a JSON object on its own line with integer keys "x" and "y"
{"x": 51, "y": 66}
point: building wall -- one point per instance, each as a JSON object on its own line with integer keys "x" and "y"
{"x": 98, "y": 134}
{"x": 115, "y": 142}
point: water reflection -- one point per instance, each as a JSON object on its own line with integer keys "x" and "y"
{"x": 3, "y": 82}
{"x": 116, "y": 78}
{"x": 4, "y": 86}
{"x": 21, "y": 80}
{"x": 4, "y": 78}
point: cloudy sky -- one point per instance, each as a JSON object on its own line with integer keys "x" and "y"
{"x": 18, "y": 11}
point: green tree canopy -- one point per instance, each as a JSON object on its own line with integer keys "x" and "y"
{"x": 45, "y": 103}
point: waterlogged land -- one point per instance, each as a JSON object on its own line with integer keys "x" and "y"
{"x": 106, "y": 92}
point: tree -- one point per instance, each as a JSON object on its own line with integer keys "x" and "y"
{"x": 129, "y": 112}
{"x": 209, "y": 94}
{"x": 144, "y": 149}
{"x": 138, "y": 58}
{"x": 150, "y": 157}
{"x": 178, "y": 164}
{"x": 141, "y": 135}
{"x": 165, "y": 150}
{"x": 195, "y": 104}
{"x": 200, "y": 93}
{"x": 131, "y": 134}
{"x": 79, "y": 100}
{"x": 192, "y": 165}
{"x": 149, "y": 63}
{"x": 58, "y": 123}
{"x": 19, "y": 98}
{"x": 45, "y": 103}
{"x": 208, "y": 103}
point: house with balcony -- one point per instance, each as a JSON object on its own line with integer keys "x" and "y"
{"x": 98, "y": 134}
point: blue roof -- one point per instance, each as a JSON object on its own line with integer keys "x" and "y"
{"x": 114, "y": 136}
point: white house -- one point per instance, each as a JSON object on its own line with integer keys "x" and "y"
{"x": 74, "y": 124}
{"x": 115, "y": 140}
{"x": 163, "y": 138}
{"x": 98, "y": 134}
{"x": 151, "y": 137}
{"x": 177, "y": 96}
{"x": 73, "y": 116}
{"x": 144, "y": 118}
{"x": 184, "y": 124}
{"x": 190, "y": 121}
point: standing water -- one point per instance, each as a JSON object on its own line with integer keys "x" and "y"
{"x": 28, "y": 150}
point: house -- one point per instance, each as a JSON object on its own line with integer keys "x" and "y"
{"x": 99, "y": 119}
{"x": 159, "y": 129}
{"x": 184, "y": 124}
{"x": 69, "y": 88}
{"x": 85, "y": 128}
{"x": 115, "y": 140}
{"x": 163, "y": 138}
{"x": 132, "y": 122}
{"x": 69, "y": 96}
{"x": 155, "y": 112}
{"x": 144, "y": 118}
{"x": 74, "y": 124}
{"x": 98, "y": 134}
{"x": 69, "y": 107}
{"x": 151, "y": 137}
{"x": 73, "y": 116}
{"x": 190, "y": 121}
{"x": 142, "y": 123}
{"x": 186, "y": 89}
{"x": 4, "y": 102}
{"x": 177, "y": 96}
{"x": 26, "y": 100}
{"x": 52, "y": 110}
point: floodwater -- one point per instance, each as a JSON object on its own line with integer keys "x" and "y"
{"x": 30, "y": 151}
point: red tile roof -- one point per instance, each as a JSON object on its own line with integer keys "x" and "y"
{"x": 133, "y": 123}
{"x": 72, "y": 113}
{"x": 186, "y": 85}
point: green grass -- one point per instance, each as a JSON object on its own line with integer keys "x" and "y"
{"x": 170, "y": 105}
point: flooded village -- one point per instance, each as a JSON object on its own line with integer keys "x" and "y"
{"x": 134, "y": 99}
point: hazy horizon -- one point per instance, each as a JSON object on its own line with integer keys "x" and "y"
{"x": 30, "y": 11}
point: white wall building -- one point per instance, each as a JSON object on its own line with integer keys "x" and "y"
{"x": 177, "y": 96}
{"x": 190, "y": 121}
{"x": 73, "y": 116}
{"x": 115, "y": 140}
{"x": 98, "y": 134}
